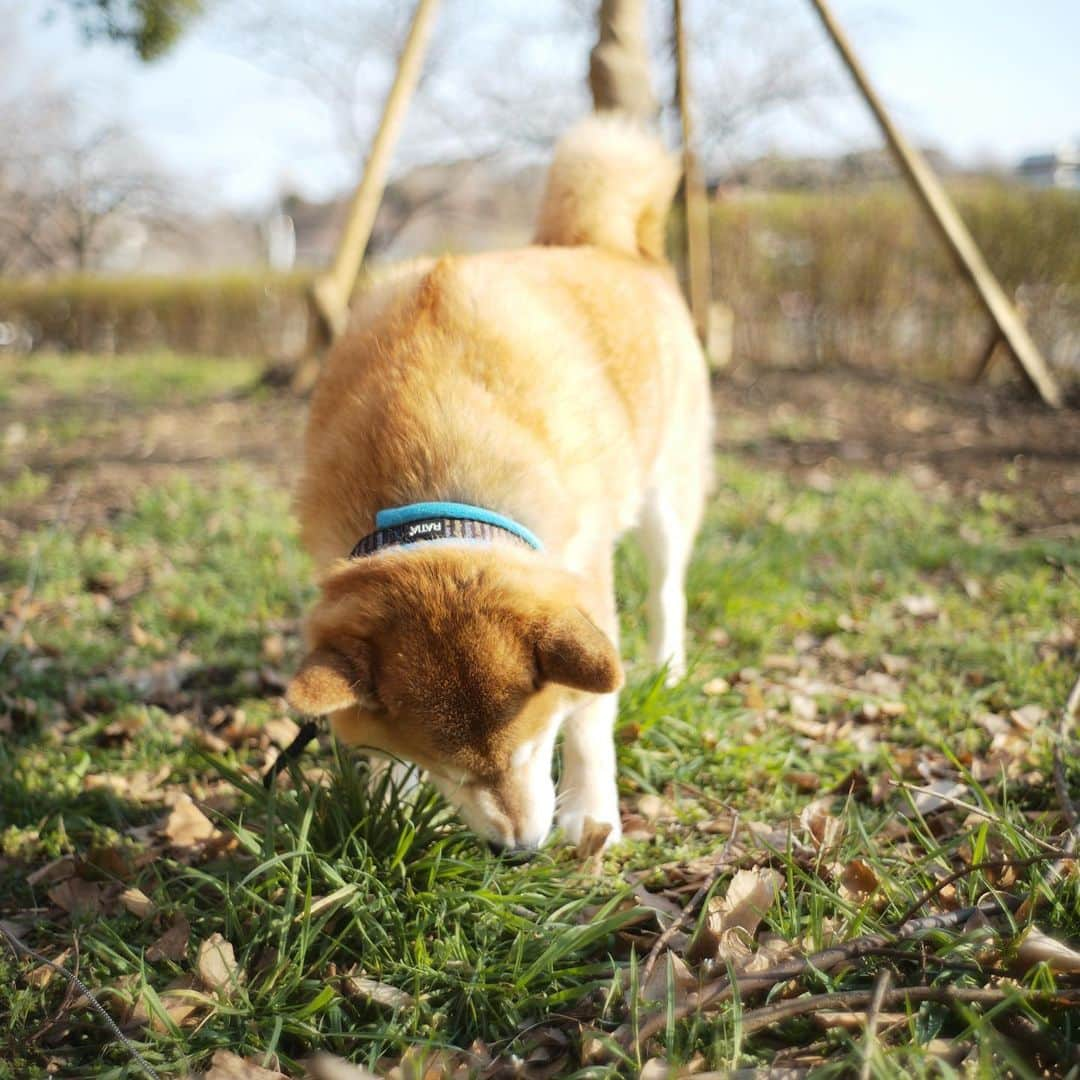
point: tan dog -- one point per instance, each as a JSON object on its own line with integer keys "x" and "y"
{"x": 553, "y": 394}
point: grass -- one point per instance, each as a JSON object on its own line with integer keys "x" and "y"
{"x": 152, "y": 647}
{"x": 142, "y": 380}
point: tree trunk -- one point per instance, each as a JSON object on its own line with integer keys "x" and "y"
{"x": 619, "y": 64}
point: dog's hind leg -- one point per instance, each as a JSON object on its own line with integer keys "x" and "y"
{"x": 667, "y": 536}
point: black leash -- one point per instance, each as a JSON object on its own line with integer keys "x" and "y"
{"x": 306, "y": 734}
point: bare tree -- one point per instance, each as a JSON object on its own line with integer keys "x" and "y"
{"x": 754, "y": 62}
{"x": 508, "y": 78}
{"x": 70, "y": 193}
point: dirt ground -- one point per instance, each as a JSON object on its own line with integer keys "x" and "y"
{"x": 964, "y": 441}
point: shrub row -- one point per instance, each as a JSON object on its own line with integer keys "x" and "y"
{"x": 856, "y": 275}
{"x": 248, "y": 313}
{"x": 863, "y": 276}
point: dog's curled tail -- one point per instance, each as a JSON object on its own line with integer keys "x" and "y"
{"x": 610, "y": 185}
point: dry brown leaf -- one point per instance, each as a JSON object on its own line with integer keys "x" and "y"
{"x": 753, "y": 698}
{"x": 635, "y": 827}
{"x": 879, "y": 684}
{"x": 546, "y": 1052}
{"x": 281, "y": 730}
{"x": 772, "y": 950}
{"x": 57, "y": 870}
{"x": 812, "y": 729}
{"x": 422, "y": 1063}
{"x": 172, "y": 945}
{"x": 655, "y": 902}
{"x": 824, "y": 830}
{"x": 857, "y": 881}
{"x": 593, "y": 1047}
{"x": 1037, "y": 947}
{"x": 329, "y": 1067}
{"x": 43, "y": 974}
{"x": 273, "y": 648}
{"x": 923, "y": 606}
{"x": 594, "y": 835}
{"x": 78, "y": 897}
{"x": 825, "y": 935}
{"x": 225, "y": 1065}
{"x": 178, "y": 999}
{"x": 138, "y": 903}
{"x": 655, "y": 1068}
{"x": 804, "y": 781}
{"x": 716, "y": 687}
{"x": 655, "y": 987}
{"x": 731, "y": 922}
{"x": 938, "y": 795}
{"x": 749, "y": 897}
{"x": 894, "y": 665}
{"x": 140, "y": 786}
{"x": 217, "y": 967}
{"x": 803, "y": 707}
{"x": 654, "y": 808}
{"x": 1029, "y": 717}
{"x": 187, "y": 826}
{"x": 359, "y": 986}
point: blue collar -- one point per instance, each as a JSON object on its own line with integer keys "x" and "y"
{"x": 440, "y": 521}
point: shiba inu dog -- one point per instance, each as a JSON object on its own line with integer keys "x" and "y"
{"x": 477, "y": 443}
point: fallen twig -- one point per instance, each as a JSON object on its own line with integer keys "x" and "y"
{"x": 722, "y": 864}
{"x": 824, "y": 961}
{"x": 756, "y": 1019}
{"x": 992, "y": 864}
{"x": 979, "y": 811}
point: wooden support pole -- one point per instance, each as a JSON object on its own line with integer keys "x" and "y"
{"x": 939, "y": 206}
{"x": 695, "y": 197}
{"x": 332, "y": 290}
{"x": 986, "y": 357}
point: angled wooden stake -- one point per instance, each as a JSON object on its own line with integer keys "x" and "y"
{"x": 332, "y": 290}
{"x": 939, "y": 206}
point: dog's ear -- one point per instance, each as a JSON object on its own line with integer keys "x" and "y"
{"x": 573, "y": 651}
{"x": 329, "y": 680}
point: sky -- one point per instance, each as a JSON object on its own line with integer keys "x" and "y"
{"x": 985, "y": 81}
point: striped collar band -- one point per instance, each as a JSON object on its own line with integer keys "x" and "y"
{"x": 440, "y": 521}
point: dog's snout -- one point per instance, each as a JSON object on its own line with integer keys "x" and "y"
{"x": 512, "y": 853}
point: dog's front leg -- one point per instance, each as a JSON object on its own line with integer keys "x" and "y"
{"x": 587, "y": 788}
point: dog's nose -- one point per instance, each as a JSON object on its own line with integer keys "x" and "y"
{"x": 511, "y": 852}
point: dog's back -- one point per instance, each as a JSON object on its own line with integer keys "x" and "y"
{"x": 545, "y": 378}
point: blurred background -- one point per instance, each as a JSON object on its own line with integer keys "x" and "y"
{"x": 172, "y": 173}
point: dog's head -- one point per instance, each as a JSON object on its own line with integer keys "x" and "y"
{"x": 464, "y": 662}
